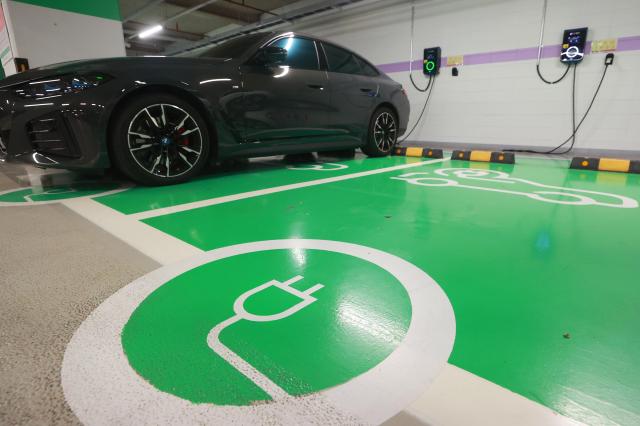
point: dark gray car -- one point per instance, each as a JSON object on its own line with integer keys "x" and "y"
{"x": 160, "y": 120}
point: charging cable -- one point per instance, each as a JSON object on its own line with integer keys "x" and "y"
{"x": 213, "y": 338}
{"x": 419, "y": 89}
{"x": 608, "y": 61}
{"x": 541, "y": 46}
{"x": 555, "y": 81}
{"x": 574, "y": 129}
{"x": 430, "y": 83}
{"x": 416, "y": 86}
{"x": 430, "y": 86}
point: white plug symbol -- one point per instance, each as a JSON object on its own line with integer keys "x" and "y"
{"x": 213, "y": 338}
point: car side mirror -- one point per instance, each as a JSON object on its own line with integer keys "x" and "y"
{"x": 271, "y": 55}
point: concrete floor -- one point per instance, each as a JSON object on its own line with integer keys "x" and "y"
{"x": 55, "y": 268}
{"x": 561, "y": 362}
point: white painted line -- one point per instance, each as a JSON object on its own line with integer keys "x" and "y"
{"x": 249, "y": 371}
{"x": 234, "y": 197}
{"x": 459, "y": 398}
{"x": 161, "y": 247}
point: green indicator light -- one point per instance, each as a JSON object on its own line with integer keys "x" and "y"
{"x": 430, "y": 66}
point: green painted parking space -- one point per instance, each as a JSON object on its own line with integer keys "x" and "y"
{"x": 255, "y": 176}
{"x": 529, "y": 304}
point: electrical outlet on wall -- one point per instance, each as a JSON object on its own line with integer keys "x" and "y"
{"x": 604, "y": 45}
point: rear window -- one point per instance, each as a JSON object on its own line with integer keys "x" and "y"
{"x": 340, "y": 60}
{"x": 367, "y": 69}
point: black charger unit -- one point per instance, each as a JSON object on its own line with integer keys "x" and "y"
{"x": 573, "y": 43}
{"x": 431, "y": 63}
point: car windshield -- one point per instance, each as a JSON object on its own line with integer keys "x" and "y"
{"x": 233, "y": 48}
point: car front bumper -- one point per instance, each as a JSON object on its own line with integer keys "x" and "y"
{"x": 64, "y": 132}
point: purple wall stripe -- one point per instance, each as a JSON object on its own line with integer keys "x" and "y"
{"x": 528, "y": 53}
{"x": 629, "y": 43}
{"x": 399, "y": 66}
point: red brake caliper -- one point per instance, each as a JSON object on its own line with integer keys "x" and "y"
{"x": 185, "y": 140}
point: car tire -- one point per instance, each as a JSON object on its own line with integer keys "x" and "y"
{"x": 383, "y": 133}
{"x": 159, "y": 139}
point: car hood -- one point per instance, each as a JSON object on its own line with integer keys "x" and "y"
{"x": 102, "y": 65}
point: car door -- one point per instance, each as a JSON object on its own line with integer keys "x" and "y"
{"x": 353, "y": 93}
{"x": 288, "y": 100}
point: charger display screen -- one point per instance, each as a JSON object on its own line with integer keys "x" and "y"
{"x": 573, "y": 44}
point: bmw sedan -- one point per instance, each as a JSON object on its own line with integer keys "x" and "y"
{"x": 161, "y": 120}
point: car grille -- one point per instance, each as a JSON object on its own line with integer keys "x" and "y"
{"x": 49, "y": 134}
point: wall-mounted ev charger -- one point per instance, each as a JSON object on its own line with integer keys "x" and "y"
{"x": 430, "y": 68}
{"x": 431, "y": 61}
{"x": 573, "y": 43}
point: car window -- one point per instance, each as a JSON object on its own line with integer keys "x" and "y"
{"x": 367, "y": 69}
{"x": 301, "y": 52}
{"x": 340, "y": 60}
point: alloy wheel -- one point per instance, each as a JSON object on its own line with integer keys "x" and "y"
{"x": 385, "y": 131}
{"x": 164, "y": 140}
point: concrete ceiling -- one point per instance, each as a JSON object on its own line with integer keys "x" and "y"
{"x": 198, "y": 25}
{"x": 194, "y": 24}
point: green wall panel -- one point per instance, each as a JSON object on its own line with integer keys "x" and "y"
{"x": 109, "y": 9}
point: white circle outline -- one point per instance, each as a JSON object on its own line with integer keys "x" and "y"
{"x": 121, "y": 188}
{"x": 572, "y": 52}
{"x": 101, "y": 387}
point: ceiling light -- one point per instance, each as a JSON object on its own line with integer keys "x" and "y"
{"x": 150, "y": 31}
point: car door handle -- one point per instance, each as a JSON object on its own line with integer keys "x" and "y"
{"x": 369, "y": 92}
{"x": 316, "y": 86}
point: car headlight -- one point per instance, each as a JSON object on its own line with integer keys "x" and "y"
{"x": 59, "y": 85}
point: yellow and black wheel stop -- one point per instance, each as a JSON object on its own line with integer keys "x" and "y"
{"x": 605, "y": 164}
{"x": 418, "y": 152}
{"x": 485, "y": 156}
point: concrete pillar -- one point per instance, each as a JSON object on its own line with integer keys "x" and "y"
{"x": 51, "y": 31}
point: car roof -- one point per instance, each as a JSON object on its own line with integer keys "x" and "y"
{"x": 275, "y": 34}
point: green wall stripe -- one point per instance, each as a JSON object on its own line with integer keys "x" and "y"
{"x": 109, "y": 9}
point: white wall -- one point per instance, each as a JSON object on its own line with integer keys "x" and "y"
{"x": 45, "y": 36}
{"x": 503, "y": 103}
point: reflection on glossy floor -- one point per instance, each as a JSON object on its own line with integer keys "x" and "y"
{"x": 537, "y": 261}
